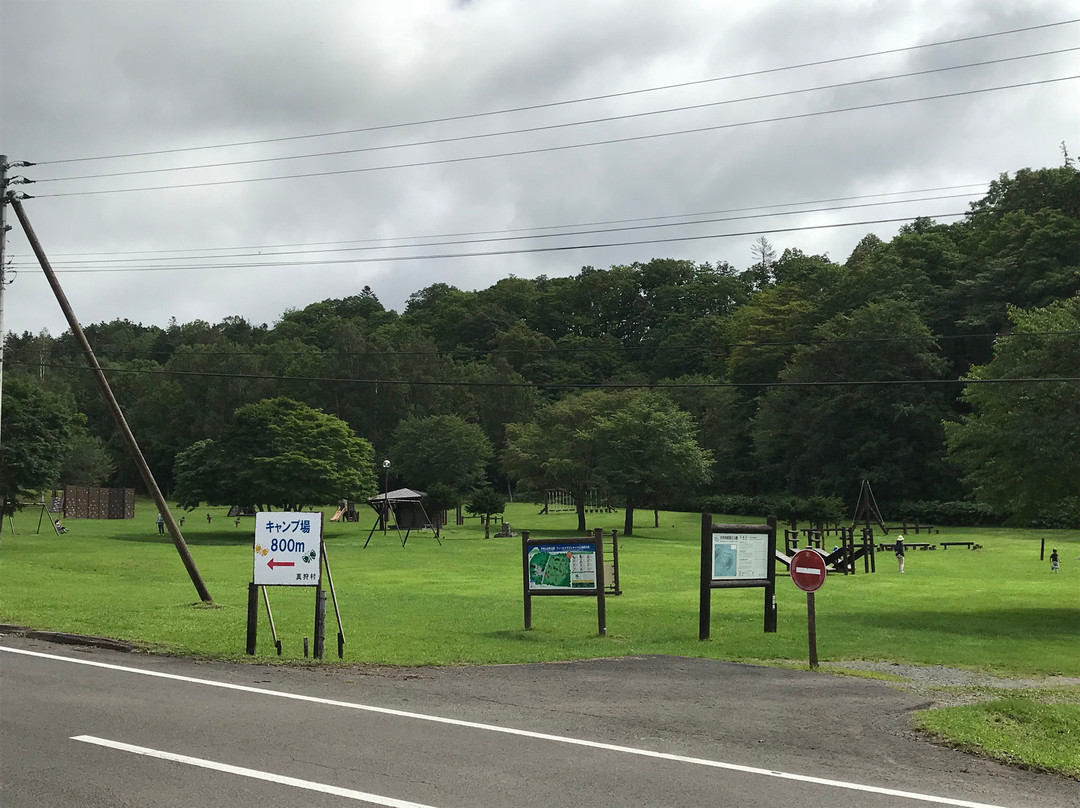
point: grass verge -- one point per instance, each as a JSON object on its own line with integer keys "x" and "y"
{"x": 1037, "y": 729}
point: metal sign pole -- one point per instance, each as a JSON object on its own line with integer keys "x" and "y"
{"x": 270, "y": 617}
{"x": 811, "y": 628}
{"x": 333, "y": 596}
{"x": 320, "y": 622}
{"x": 320, "y": 604}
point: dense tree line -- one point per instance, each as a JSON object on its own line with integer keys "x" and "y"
{"x": 799, "y": 375}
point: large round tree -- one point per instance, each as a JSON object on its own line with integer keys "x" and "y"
{"x": 557, "y": 449}
{"x": 649, "y": 453}
{"x": 440, "y": 450}
{"x": 277, "y": 453}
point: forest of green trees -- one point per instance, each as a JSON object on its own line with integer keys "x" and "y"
{"x": 941, "y": 366}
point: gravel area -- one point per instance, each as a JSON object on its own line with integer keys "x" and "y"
{"x": 950, "y": 686}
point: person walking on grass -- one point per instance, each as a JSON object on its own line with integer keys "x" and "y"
{"x": 899, "y": 549}
{"x": 160, "y": 525}
{"x": 1054, "y": 560}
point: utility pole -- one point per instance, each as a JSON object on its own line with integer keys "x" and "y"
{"x": 3, "y": 278}
{"x": 114, "y": 406}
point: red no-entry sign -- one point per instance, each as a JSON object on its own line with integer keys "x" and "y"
{"x": 807, "y": 570}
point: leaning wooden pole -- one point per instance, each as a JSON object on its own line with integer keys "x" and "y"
{"x": 110, "y": 399}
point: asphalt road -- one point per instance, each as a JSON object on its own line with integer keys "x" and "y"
{"x": 101, "y": 729}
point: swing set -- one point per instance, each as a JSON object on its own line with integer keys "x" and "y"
{"x": 57, "y": 527}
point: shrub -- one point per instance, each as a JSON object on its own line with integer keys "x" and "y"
{"x": 957, "y": 513}
{"x": 815, "y": 509}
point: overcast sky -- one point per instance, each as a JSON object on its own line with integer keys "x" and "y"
{"x": 245, "y": 96}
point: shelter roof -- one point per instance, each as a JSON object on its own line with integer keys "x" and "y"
{"x": 399, "y": 495}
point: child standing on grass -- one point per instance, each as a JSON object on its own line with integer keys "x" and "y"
{"x": 899, "y": 549}
{"x": 1053, "y": 560}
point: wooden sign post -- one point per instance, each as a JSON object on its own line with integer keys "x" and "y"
{"x": 564, "y": 567}
{"x": 737, "y": 556}
{"x": 289, "y": 551}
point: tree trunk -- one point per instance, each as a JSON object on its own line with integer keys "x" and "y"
{"x": 579, "y": 505}
{"x": 656, "y": 517}
{"x": 487, "y": 526}
{"x": 628, "y": 523}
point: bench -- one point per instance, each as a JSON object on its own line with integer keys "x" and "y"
{"x": 945, "y": 545}
{"x": 909, "y": 545}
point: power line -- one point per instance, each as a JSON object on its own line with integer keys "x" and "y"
{"x": 523, "y": 238}
{"x": 729, "y": 77}
{"x": 570, "y": 146}
{"x": 523, "y": 251}
{"x": 575, "y": 385}
{"x": 260, "y": 247}
{"x": 551, "y": 127}
{"x": 270, "y": 353}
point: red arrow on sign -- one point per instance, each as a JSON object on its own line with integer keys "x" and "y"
{"x": 271, "y": 563}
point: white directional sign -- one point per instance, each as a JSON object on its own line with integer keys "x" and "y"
{"x": 287, "y": 548}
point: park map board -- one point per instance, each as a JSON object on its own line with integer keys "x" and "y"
{"x": 562, "y": 566}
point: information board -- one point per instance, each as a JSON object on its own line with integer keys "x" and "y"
{"x": 735, "y": 557}
{"x": 740, "y": 556}
{"x": 563, "y": 567}
{"x": 287, "y": 549}
{"x": 571, "y": 566}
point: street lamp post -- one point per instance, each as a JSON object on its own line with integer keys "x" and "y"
{"x": 386, "y": 494}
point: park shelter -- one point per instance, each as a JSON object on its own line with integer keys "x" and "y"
{"x": 406, "y": 508}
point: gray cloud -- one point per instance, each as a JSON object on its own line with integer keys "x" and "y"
{"x": 102, "y": 77}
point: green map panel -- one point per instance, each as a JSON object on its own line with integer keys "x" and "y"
{"x": 547, "y": 569}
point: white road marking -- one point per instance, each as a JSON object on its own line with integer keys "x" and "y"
{"x": 542, "y": 736}
{"x": 255, "y": 774}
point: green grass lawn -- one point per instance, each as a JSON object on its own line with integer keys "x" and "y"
{"x": 996, "y": 609}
